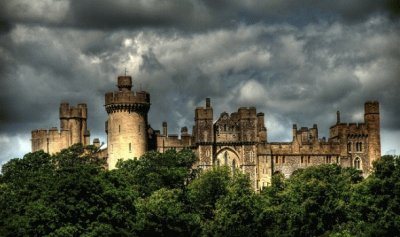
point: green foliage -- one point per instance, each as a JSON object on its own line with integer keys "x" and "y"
{"x": 155, "y": 170}
{"x": 375, "y": 203}
{"x": 164, "y": 214}
{"x": 204, "y": 192}
{"x": 236, "y": 212}
{"x": 71, "y": 194}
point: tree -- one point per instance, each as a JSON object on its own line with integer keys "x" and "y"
{"x": 204, "y": 192}
{"x": 164, "y": 214}
{"x": 375, "y": 203}
{"x": 156, "y": 170}
{"x": 236, "y": 213}
{"x": 315, "y": 200}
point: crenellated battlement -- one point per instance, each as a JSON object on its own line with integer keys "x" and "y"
{"x": 127, "y": 97}
{"x": 371, "y": 107}
{"x": 127, "y": 101}
{"x": 247, "y": 112}
{"x": 67, "y": 111}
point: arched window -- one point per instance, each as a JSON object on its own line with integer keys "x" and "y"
{"x": 357, "y": 163}
{"x": 349, "y": 147}
{"x": 226, "y": 158}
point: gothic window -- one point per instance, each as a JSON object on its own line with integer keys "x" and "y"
{"x": 349, "y": 147}
{"x": 357, "y": 163}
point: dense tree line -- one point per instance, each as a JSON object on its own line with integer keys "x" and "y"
{"x": 71, "y": 194}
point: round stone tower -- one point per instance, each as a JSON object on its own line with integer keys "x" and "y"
{"x": 126, "y": 126}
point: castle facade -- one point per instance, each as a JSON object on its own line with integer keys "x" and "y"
{"x": 238, "y": 140}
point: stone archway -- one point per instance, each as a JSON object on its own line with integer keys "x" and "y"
{"x": 228, "y": 157}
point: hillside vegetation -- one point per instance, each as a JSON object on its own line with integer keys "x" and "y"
{"x": 71, "y": 194}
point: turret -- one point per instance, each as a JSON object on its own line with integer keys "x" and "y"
{"x": 204, "y": 123}
{"x": 372, "y": 121}
{"x": 262, "y": 131}
{"x": 165, "y": 129}
{"x": 127, "y": 125}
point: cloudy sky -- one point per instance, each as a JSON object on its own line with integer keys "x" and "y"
{"x": 296, "y": 61}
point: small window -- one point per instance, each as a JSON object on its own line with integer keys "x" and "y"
{"x": 328, "y": 159}
{"x": 130, "y": 147}
{"x": 357, "y": 163}
{"x": 349, "y": 147}
{"x": 119, "y": 128}
{"x": 359, "y": 146}
{"x": 309, "y": 159}
{"x": 302, "y": 159}
{"x": 283, "y": 159}
{"x": 276, "y": 159}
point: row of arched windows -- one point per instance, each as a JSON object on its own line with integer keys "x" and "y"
{"x": 358, "y": 146}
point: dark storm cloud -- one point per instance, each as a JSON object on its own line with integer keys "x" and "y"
{"x": 187, "y": 15}
{"x": 296, "y": 61}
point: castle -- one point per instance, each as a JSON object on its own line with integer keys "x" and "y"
{"x": 238, "y": 140}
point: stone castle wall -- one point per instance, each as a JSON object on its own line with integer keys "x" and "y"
{"x": 73, "y": 129}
